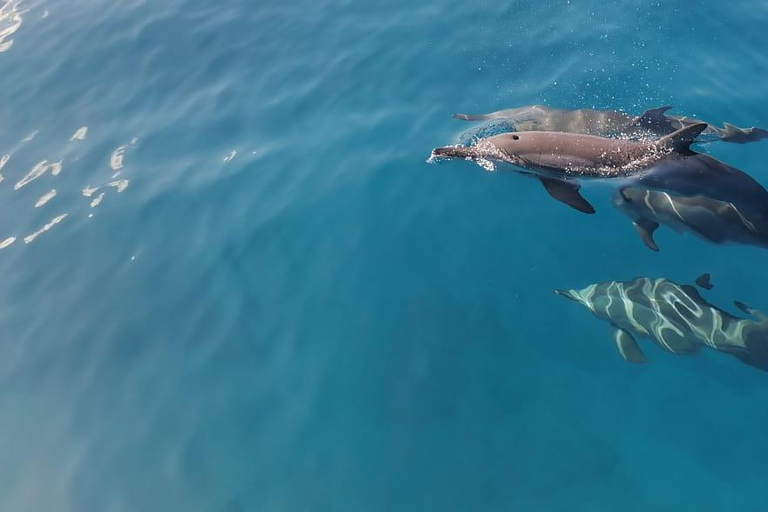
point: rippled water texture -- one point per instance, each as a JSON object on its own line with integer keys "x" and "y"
{"x": 231, "y": 282}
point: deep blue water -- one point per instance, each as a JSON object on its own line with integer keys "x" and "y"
{"x": 287, "y": 309}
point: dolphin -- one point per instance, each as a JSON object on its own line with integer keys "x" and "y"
{"x": 717, "y": 221}
{"x": 557, "y": 158}
{"x": 676, "y": 317}
{"x": 653, "y": 122}
{"x": 697, "y": 174}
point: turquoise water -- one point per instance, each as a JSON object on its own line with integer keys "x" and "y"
{"x": 278, "y": 305}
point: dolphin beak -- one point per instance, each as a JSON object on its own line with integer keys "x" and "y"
{"x": 568, "y": 294}
{"x": 455, "y": 152}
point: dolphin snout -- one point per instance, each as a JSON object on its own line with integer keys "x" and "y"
{"x": 568, "y": 294}
{"x": 454, "y": 152}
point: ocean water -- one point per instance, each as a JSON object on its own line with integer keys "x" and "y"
{"x": 251, "y": 292}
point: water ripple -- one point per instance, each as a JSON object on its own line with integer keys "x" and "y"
{"x": 10, "y": 21}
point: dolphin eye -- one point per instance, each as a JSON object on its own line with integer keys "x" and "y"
{"x": 516, "y": 137}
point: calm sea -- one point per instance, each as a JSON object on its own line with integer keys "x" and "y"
{"x": 231, "y": 282}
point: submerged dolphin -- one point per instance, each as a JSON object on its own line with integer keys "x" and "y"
{"x": 716, "y": 221}
{"x": 676, "y": 317}
{"x": 654, "y": 122}
{"x": 556, "y": 158}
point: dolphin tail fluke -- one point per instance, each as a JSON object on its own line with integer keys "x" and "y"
{"x": 731, "y": 133}
{"x": 628, "y": 347}
{"x": 751, "y": 311}
{"x": 682, "y": 139}
{"x": 568, "y": 193}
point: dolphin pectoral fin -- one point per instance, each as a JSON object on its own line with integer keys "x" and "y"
{"x": 645, "y": 229}
{"x": 628, "y": 347}
{"x": 568, "y": 193}
{"x": 653, "y": 117}
{"x": 703, "y": 281}
{"x": 681, "y": 140}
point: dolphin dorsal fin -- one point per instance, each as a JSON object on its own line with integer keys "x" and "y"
{"x": 731, "y": 128}
{"x": 653, "y": 117}
{"x": 704, "y": 281}
{"x": 682, "y": 139}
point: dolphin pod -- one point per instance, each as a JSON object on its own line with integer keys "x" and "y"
{"x": 659, "y": 180}
{"x": 604, "y": 123}
{"x": 676, "y": 317}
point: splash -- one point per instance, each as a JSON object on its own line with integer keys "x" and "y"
{"x": 486, "y": 164}
{"x": 230, "y": 156}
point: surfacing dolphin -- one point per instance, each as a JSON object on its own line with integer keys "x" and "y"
{"x": 676, "y": 317}
{"x": 557, "y": 158}
{"x": 604, "y": 123}
{"x": 716, "y": 221}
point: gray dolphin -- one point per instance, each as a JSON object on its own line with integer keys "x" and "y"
{"x": 676, "y": 317}
{"x": 556, "y": 158}
{"x": 716, "y": 221}
{"x": 697, "y": 174}
{"x": 653, "y": 122}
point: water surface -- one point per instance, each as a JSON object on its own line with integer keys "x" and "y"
{"x": 251, "y": 293}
